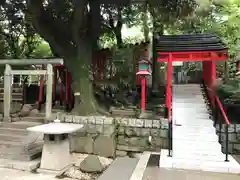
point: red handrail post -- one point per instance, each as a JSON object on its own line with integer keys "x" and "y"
{"x": 143, "y": 94}
{"x": 169, "y": 103}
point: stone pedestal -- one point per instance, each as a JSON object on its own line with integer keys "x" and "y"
{"x": 56, "y": 153}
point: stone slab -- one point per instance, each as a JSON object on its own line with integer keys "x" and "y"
{"x": 141, "y": 166}
{"x": 120, "y": 169}
{"x": 56, "y": 128}
{"x": 53, "y": 172}
{"x": 20, "y": 165}
{"x": 155, "y": 173}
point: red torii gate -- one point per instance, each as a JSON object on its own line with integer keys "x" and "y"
{"x": 186, "y": 48}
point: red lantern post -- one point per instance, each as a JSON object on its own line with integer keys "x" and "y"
{"x": 143, "y": 72}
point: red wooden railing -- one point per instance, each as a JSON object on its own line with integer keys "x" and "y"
{"x": 222, "y": 110}
{"x": 217, "y": 109}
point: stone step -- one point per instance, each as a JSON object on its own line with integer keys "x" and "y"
{"x": 20, "y": 124}
{"x": 28, "y": 156}
{"x": 6, "y": 130}
{"x": 198, "y": 138}
{"x": 14, "y": 90}
{"x": 195, "y": 144}
{"x": 200, "y": 156}
{"x": 121, "y": 169}
{"x": 190, "y": 164}
{"x": 192, "y": 135}
{"x": 203, "y": 123}
{"x": 11, "y": 137}
{"x": 210, "y": 131}
{"x": 33, "y": 119}
{"x": 21, "y": 149}
{"x": 14, "y": 99}
{"x": 15, "y": 94}
{"x": 19, "y": 145}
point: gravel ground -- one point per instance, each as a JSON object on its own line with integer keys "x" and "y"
{"x": 77, "y": 158}
{"x": 11, "y": 174}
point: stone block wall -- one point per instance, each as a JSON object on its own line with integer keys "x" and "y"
{"x": 110, "y": 137}
{"x": 138, "y": 135}
{"x": 98, "y": 136}
{"x": 233, "y": 138}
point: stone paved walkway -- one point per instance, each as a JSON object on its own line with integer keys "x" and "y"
{"x": 155, "y": 173}
{"x": 195, "y": 143}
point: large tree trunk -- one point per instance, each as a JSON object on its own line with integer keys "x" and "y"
{"x": 158, "y": 75}
{"x": 119, "y": 37}
{"x": 79, "y": 66}
{"x": 145, "y": 22}
{"x": 118, "y": 28}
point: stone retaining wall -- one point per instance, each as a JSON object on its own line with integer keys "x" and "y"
{"x": 233, "y": 138}
{"x": 134, "y": 134}
{"x": 110, "y": 137}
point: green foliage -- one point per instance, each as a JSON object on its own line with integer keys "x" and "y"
{"x": 42, "y": 51}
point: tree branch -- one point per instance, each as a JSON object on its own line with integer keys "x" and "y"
{"x": 78, "y": 19}
{"x": 43, "y": 24}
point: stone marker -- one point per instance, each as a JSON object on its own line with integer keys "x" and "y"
{"x": 26, "y": 109}
{"x": 56, "y": 154}
{"x": 91, "y": 164}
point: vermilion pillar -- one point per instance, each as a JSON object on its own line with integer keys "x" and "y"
{"x": 168, "y": 86}
{"x": 143, "y": 93}
{"x": 213, "y": 78}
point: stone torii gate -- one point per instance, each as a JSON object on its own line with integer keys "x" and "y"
{"x": 8, "y": 73}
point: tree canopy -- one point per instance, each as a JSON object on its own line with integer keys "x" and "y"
{"x": 73, "y": 29}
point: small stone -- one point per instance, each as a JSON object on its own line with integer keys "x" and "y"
{"x": 91, "y": 164}
{"x": 15, "y": 119}
{"x": 25, "y": 110}
{"x": 75, "y": 173}
{"x": 34, "y": 113}
{"x": 121, "y": 153}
